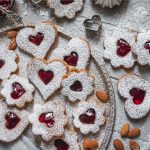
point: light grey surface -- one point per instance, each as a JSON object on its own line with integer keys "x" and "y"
{"x": 132, "y": 14}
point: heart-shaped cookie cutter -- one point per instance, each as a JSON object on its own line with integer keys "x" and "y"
{"x": 93, "y": 25}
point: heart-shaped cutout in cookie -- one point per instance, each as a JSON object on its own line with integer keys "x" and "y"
{"x": 2, "y": 62}
{"x": 37, "y": 41}
{"x": 13, "y": 122}
{"x": 88, "y": 117}
{"x": 46, "y": 75}
{"x": 61, "y": 145}
{"x": 76, "y": 86}
{"x": 76, "y": 54}
{"x": 136, "y": 92}
{"x": 17, "y": 90}
{"x": 147, "y": 45}
{"x": 66, "y": 2}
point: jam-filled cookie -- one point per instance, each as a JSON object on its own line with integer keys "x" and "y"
{"x": 88, "y": 117}
{"x": 66, "y": 8}
{"x": 48, "y": 120}
{"x": 37, "y": 41}
{"x": 143, "y": 48}
{"x": 76, "y": 54}
{"x": 8, "y": 63}
{"x": 17, "y": 90}
{"x": 46, "y": 75}
{"x": 119, "y": 48}
{"x": 136, "y": 91}
{"x": 12, "y": 123}
{"x": 67, "y": 142}
{"x": 77, "y": 85}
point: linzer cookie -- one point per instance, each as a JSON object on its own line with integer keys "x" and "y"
{"x": 77, "y": 85}
{"x": 37, "y": 41}
{"x": 136, "y": 91}
{"x": 119, "y": 48}
{"x": 8, "y": 63}
{"x": 143, "y": 48}
{"x": 46, "y": 75}
{"x": 67, "y": 142}
{"x": 17, "y": 91}
{"x": 12, "y": 123}
{"x": 76, "y": 54}
{"x": 48, "y": 120}
{"x": 88, "y": 117}
{"x": 66, "y": 8}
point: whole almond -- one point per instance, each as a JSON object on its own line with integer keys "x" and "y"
{"x": 11, "y": 34}
{"x": 13, "y": 44}
{"x": 125, "y": 130}
{"x": 118, "y": 145}
{"x": 135, "y": 132}
{"x": 102, "y": 96}
{"x": 134, "y": 145}
{"x": 90, "y": 144}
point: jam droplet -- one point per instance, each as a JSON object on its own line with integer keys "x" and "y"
{"x": 7, "y": 4}
{"x": 138, "y": 95}
{"x": 17, "y": 90}
{"x": 48, "y": 119}
{"x": 88, "y": 117}
{"x": 123, "y": 48}
{"x": 2, "y": 62}
{"x": 36, "y": 39}
{"x": 46, "y": 76}
{"x": 147, "y": 45}
{"x": 72, "y": 59}
{"x": 66, "y": 2}
{"x": 61, "y": 145}
{"x": 76, "y": 86}
{"x": 11, "y": 120}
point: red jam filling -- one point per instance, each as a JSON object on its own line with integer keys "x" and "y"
{"x": 61, "y": 145}
{"x": 76, "y": 86}
{"x": 46, "y": 76}
{"x": 138, "y": 95}
{"x": 88, "y": 117}
{"x": 147, "y": 45}
{"x": 17, "y": 90}
{"x": 48, "y": 119}
{"x": 72, "y": 59}
{"x": 66, "y": 2}
{"x": 7, "y": 4}
{"x": 11, "y": 120}
{"x": 2, "y": 62}
{"x": 123, "y": 48}
{"x": 36, "y": 39}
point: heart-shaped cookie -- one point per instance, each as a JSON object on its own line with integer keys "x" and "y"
{"x": 37, "y": 41}
{"x": 46, "y": 75}
{"x": 12, "y": 123}
{"x": 136, "y": 91}
{"x": 76, "y": 54}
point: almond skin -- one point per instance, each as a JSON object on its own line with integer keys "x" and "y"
{"x": 134, "y": 145}
{"x": 135, "y": 132}
{"x": 102, "y": 96}
{"x": 124, "y": 130}
{"x": 118, "y": 145}
{"x": 11, "y": 34}
{"x": 90, "y": 144}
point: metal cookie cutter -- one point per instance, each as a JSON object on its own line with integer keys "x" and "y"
{"x": 93, "y": 25}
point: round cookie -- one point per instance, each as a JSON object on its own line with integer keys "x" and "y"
{"x": 68, "y": 141}
{"x": 136, "y": 91}
{"x": 88, "y": 117}
{"x": 66, "y": 8}
{"x": 77, "y": 85}
{"x": 76, "y": 54}
{"x": 119, "y": 48}
{"x": 48, "y": 120}
{"x": 12, "y": 122}
{"x": 8, "y": 63}
{"x": 17, "y": 91}
{"x": 46, "y": 75}
{"x": 38, "y": 40}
